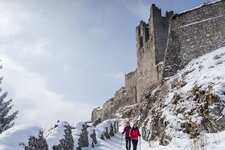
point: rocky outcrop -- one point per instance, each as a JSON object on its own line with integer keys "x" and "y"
{"x": 106, "y": 133}
{"x": 89, "y": 135}
{"x": 107, "y": 129}
{"x": 189, "y": 103}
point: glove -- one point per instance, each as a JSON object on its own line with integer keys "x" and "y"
{"x": 139, "y": 135}
{"x": 122, "y": 132}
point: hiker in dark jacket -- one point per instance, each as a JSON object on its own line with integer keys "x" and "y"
{"x": 126, "y": 130}
{"x": 134, "y": 134}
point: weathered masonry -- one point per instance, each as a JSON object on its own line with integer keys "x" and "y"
{"x": 165, "y": 45}
{"x": 194, "y": 33}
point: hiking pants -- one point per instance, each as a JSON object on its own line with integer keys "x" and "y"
{"x": 134, "y": 142}
{"x": 128, "y": 143}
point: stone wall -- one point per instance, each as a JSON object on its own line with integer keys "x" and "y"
{"x": 131, "y": 88}
{"x": 146, "y": 71}
{"x": 107, "y": 109}
{"x": 120, "y": 99}
{"x": 151, "y": 41}
{"x": 194, "y": 33}
{"x": 160, "y": 27}
{"x": 96, "y": 114}
{"x": 100, "y": 114}
{"x": 164, "y": 45}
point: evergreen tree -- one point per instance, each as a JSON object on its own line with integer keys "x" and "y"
{"x": 67, "y": 143}
{"x": 34, "y": 143}
{"x": 6, "y": 120}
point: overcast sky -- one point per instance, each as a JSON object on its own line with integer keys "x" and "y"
{"x": 62, "y": 58}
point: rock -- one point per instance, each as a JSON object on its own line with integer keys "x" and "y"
{"x": 106, "y": 133}
{"x": 96, "y": 122}
{"x": 116, "y": 127}
{"x": 165, "y": 140}
{"x": 102, "y": 136}
{"x": 111, "y": 132}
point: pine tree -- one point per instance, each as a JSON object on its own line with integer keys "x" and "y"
{"x": 67, "y": 143}
{"x": 34, "y": 143}
{"x": 6, "y": 120}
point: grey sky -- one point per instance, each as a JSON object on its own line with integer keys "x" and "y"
{"x": 69, "y": 55}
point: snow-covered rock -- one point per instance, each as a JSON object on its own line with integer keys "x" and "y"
{"x": 189, "y": 104}
{"x": 83, "y": 135}
{"x": 55, "y": 134}
{"x": 13, "y": 137}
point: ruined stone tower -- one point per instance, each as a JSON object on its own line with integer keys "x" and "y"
{"x": 164, "y": 46}
{"x": 151, "y": 39}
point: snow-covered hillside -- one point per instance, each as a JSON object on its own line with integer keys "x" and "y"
{"x": 83, "y": 135}
{"x": 187, "y": 111}
{"x": 188, "y": 105}
{"x": 12, "y": 138}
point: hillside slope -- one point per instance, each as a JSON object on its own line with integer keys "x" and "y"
{"x": 187, "y": 105}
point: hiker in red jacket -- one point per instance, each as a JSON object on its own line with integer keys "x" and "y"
{"x": 126, "y": 130}
{"x": 134, "y": 134}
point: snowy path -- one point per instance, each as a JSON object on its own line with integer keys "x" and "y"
{"x": 114, "y": 143}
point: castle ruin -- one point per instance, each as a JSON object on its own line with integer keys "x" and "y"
{"x": 165, "y": 45}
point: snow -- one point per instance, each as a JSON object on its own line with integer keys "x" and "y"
{"x": 113, "y": 143}
{"x": 101, "y": 127}
{"x": 117, "y": 142}
{"x": 99, "y": 108}
{"x": 209, "y": 141}
{"x": 56, "y": 134}
{"x": 13, "y": 137}
{"x": 212, "y": 71}
{"x": 76, "y": 132}
{"x": 206, "y": 72}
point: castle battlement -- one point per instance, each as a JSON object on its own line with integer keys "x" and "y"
{"x": 142, "y": 34}
{"x": 165, "y": 45}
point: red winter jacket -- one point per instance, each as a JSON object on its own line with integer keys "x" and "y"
{"x": 134, "y": 133}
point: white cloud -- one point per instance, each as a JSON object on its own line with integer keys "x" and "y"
{"x": 34, "y": 49}
{"x": 35, "y": 102}
{"x": 11, "y": 18}
{"x": 44, "y": 49}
